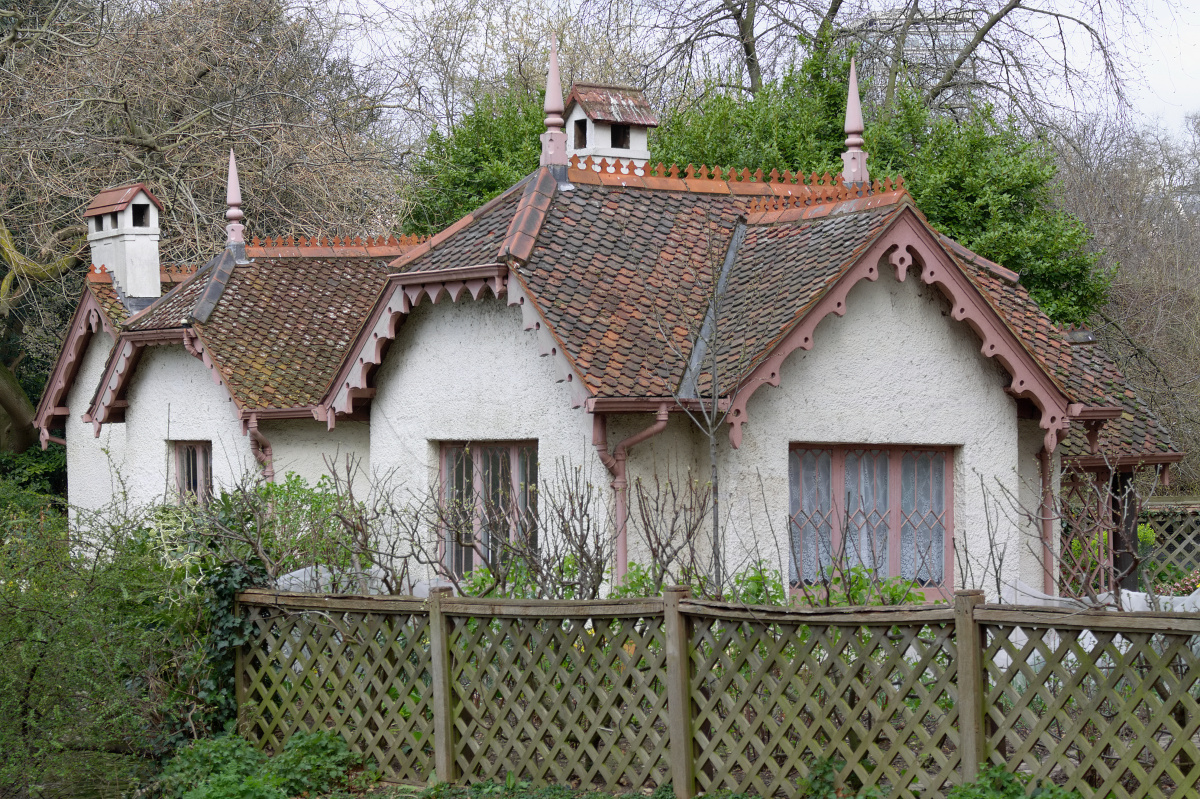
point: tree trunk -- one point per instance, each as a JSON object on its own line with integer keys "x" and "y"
{"x": 716, "y": 506}
{"x": 20, "y": 435}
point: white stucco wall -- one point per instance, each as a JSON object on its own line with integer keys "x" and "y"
{"x": 91, "y": 478}
{"x": 896, "y": 369}
{"x": 467, "y": 371}
{"x": 304, "y": 447}
{"x": 173, "y": 398}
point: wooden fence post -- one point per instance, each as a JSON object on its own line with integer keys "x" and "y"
{"x": 239, "y": 682}
{"x": 680, "y": 742}
{"x": 969, "y": 644}
{"x": 443, "y": 706}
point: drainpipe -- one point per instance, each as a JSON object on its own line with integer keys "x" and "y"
{"x": 261, "y": 447}
{"x": 1046, "y": 513}
{"x": 615, "y": 463}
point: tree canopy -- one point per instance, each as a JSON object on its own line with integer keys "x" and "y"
{"x": 978, "y": 179}
{"x": 493, "y": 147}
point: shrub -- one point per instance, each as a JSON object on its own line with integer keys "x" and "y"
{"x": 313, "y": 762}
{"x": 996, "y": 783}
{"x": 226, "y": 756}
{"x": 233, "y": 786}
{"x": 228, "y": 767}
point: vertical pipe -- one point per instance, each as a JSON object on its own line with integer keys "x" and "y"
{"x": 615, "y": 464}
{"x": 1046, "y": 513}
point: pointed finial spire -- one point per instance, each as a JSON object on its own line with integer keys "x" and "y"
{"x": 554, "y": 141}
{"x": 233, "y": 198}
{"x": 854, "y": 160}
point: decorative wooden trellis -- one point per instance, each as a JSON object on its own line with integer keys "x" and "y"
{"x": 358, "y": 665}
{"x": 773, "y": 691}
{"x": 1177, "y": 535}
{"x": 1094, "y": 702}
{"x": 569, "y": 693}
{"x": 629, "y": 694}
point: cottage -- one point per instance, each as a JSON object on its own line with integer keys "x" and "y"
{"x": 876, "y": 385}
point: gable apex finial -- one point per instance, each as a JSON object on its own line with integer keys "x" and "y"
{"x": 554, "y": 141}
{"x": 854, "y": 160}
{"x": 233, "y": 199}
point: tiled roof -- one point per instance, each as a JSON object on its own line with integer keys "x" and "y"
{"x": 473, "y": 240}
{"x": 1085, "y": 372}
{"x": 118, "y": 199}
{"x": 623, "y": 276}
{"x": 100, "y": 284}
{"x": 283, "y": 325}
{"x": 172, "y": 309}
{"x": 780, "y": 272}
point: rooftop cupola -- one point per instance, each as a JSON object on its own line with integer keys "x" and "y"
{"x": 123, "y": 234}
{"x": 609, "y": 122}
{"x": 854, "y": 160}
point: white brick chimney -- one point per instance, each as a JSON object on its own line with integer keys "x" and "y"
{"x": 123, "y": 234}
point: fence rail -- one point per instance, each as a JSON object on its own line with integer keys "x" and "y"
{"x": 594, "y": 694}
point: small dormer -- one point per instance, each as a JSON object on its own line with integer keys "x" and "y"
{"x": 609, "y": 122}
{"x": 123, "y": 234}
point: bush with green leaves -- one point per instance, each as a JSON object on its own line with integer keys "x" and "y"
{"x": 996, "y": 783}
{"x": 229, "y": 767}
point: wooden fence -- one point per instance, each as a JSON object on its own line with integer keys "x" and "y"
{"x": 1176, "y": 524}
{"x": 621, "y": 695}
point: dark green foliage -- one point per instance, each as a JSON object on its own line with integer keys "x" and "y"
{"x": 42, "y": 471}
{"x": 488, "y": 151}
{"x": 980, "y": 180}
{"x": 821, "y": 782}
{"x": 996, "y": 783}
{"x": 313, "y": 763}
{"x": 228, "y": 767}
{"x": 228, "y": 755}
{"x": 227, "y": 631}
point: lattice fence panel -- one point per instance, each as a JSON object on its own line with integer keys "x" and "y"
{"x": 365, "y": 675}
{"x": 1105, "y": 713}
{"x": 769, "y": 698}
{"x": 577, "y": 701}
{"x": 1177, "y": 539}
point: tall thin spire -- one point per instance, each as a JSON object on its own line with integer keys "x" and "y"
{"x": 554, "y": 141}
{"x": 233, "y": 198}
{"x": 854, "y": 160}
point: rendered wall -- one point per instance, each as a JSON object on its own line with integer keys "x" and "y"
{"x": 172, "y": 397}
{"x": 467, "y": 371}
{"x": 304, "y": 446}
{"x": 91, "y": 481}
{"x": 896, "y": 369}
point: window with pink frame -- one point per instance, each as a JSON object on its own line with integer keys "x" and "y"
{"x": 193, "y": 469}
{"x": 489, "y": 489}
{"x": 887, "y": 508}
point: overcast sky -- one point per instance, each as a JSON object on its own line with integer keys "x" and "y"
{"x": 1170, "y": 56}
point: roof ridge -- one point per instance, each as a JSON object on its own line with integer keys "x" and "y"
{"x": 723, "y": 180}
{"x": 523, "y": 229}
{"x": 302, "y": 242}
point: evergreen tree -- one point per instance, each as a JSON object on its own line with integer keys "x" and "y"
{"x": 492, "y": 148}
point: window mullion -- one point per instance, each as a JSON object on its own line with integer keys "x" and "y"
{"x": 895, "y": 513}
{"x": 838, "y": 505}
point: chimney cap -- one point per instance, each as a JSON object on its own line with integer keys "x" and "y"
{"x": 609, "y": 103}
{"x": 118, "y": 199}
